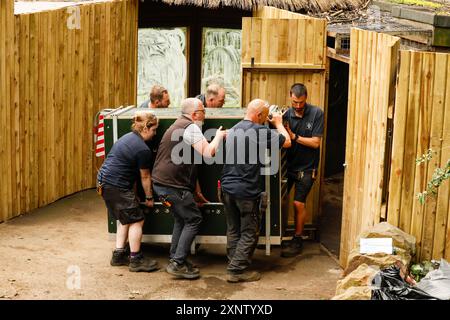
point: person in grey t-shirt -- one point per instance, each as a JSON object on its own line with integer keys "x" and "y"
{"x": 159, "y": 98}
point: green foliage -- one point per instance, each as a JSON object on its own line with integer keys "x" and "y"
{"x": 439, "y": 176}
{"x": 420, "y": 3}
{"x": 420, "y": 270}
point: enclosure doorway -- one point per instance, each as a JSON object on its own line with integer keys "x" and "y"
{"x": 333, "y": 178}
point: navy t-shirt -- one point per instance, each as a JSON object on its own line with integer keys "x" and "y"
{"x": 299, "y": 156}
{"x": 127, "y": 156}
{"x": 245, "y": 147}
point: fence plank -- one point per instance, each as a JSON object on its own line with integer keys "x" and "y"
{"x": 436, "y": 108}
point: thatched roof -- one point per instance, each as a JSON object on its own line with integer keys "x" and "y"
{"x": 292, "y": 5}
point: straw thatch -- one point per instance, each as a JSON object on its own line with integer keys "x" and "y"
{"x": 292, "y": 5}
{"x": 311, "y": 6}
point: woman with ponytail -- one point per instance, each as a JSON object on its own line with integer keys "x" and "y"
{"x": 129, "y": 159}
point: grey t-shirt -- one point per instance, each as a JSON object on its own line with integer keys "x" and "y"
{"x": 145, "y": 104}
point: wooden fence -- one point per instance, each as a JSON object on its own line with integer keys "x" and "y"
{"x": 373, "y": 65}
{"x": 6, "y": 101}
{"x": 67, "y": 65}
{"x": 421, "y": 121}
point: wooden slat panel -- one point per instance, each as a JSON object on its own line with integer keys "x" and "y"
{"x": 273, "y": 42}
{"x": 53, "y": 81}
{"x": 442, "y": 226}
{"x": 423, "y": 101}
{"x": 372, "y": 78}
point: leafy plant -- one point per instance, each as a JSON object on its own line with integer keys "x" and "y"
{"x": 439, "y": 176}
{"x": 420, "y": 270}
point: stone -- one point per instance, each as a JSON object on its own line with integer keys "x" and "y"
{"x": 400, "y": 238}
{"x": 382, "y": 260}
{"x": 360, "y": 277}
{"x": 355, "y": 293}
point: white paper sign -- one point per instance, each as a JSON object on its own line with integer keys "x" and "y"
{"x": 375, "y": 245}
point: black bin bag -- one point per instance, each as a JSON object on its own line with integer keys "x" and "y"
{"x": 389, "y": 285}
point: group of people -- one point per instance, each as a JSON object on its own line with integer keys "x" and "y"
{"x": 214, "y": 97}
{"x": 299, "y": 130}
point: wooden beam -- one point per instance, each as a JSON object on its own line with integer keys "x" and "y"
{"x": 331, "y": 53}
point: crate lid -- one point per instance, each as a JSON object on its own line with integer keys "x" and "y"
{"x": 173, "y": 113}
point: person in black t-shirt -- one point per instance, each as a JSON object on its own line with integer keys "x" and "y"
{"x": 159, "y": 98}
{"x": 304, "y": 123}
{"x": 129, "y": 160}
{"x": 242, "y": 184}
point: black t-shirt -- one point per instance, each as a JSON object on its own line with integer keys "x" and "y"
{"x": 299, "y": 156}
{"x": 245, "y": 147}
{"x": 127, "y": 156}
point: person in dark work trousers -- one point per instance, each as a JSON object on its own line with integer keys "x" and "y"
{"x": 242, "y": 184}
{"x": 159, "y": 98}
{"x": 129, "y": 159}
{"x": 304, "y": 123}
{"x": 175, "y": 179}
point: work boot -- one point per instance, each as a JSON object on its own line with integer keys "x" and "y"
{"x": 245, "y": 276}
{"x": 185, "y": 270}
{"x": 192, "y": 267}
{"x": 293, "y": 248}
{"x": 120, "y": 258}
{"x": 139, "y": 263}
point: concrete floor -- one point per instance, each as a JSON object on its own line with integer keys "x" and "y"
{"x": 62, "y": 251}
{"x": 331, "y": 218}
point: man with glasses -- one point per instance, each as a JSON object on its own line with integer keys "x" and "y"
{"x": 304, "y": 123}
{"x": 175, "y": 179}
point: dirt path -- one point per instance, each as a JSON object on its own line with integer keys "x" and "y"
{"x": 50, "y": 252}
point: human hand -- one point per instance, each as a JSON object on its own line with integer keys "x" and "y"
{"x": 221, "y": 133}
{"x": 276, "y": 119}
{"x": 200, "y": 199}
{"x": 149, "y": 203}
{"x": 289, "y": 131}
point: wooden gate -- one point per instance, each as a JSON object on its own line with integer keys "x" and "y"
{"x": 421, "y": 121}
{"x": 280, "y": 48}
{"x": 373, "y": 65}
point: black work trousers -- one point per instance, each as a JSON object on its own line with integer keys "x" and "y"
{"x": 243, "y": 224}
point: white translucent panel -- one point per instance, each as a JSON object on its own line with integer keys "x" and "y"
{"x": 162, "y": 61}
{"x": 221, "y": 62}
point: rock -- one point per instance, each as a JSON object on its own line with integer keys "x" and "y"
{"x": 360, "y": 277}
{"x": 355, "y": 293}
{"x": 382, "y": 260}
{"x": 400, "y": 238}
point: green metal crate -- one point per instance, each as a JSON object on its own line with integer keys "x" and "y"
{"x": 158, "y": 221}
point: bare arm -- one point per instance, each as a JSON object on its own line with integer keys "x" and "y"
{"x": 209, "y": 149}
{"x": 146, "y": 181}
{"x": 277, "y": 121}
{"x": 313, "y": 142}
